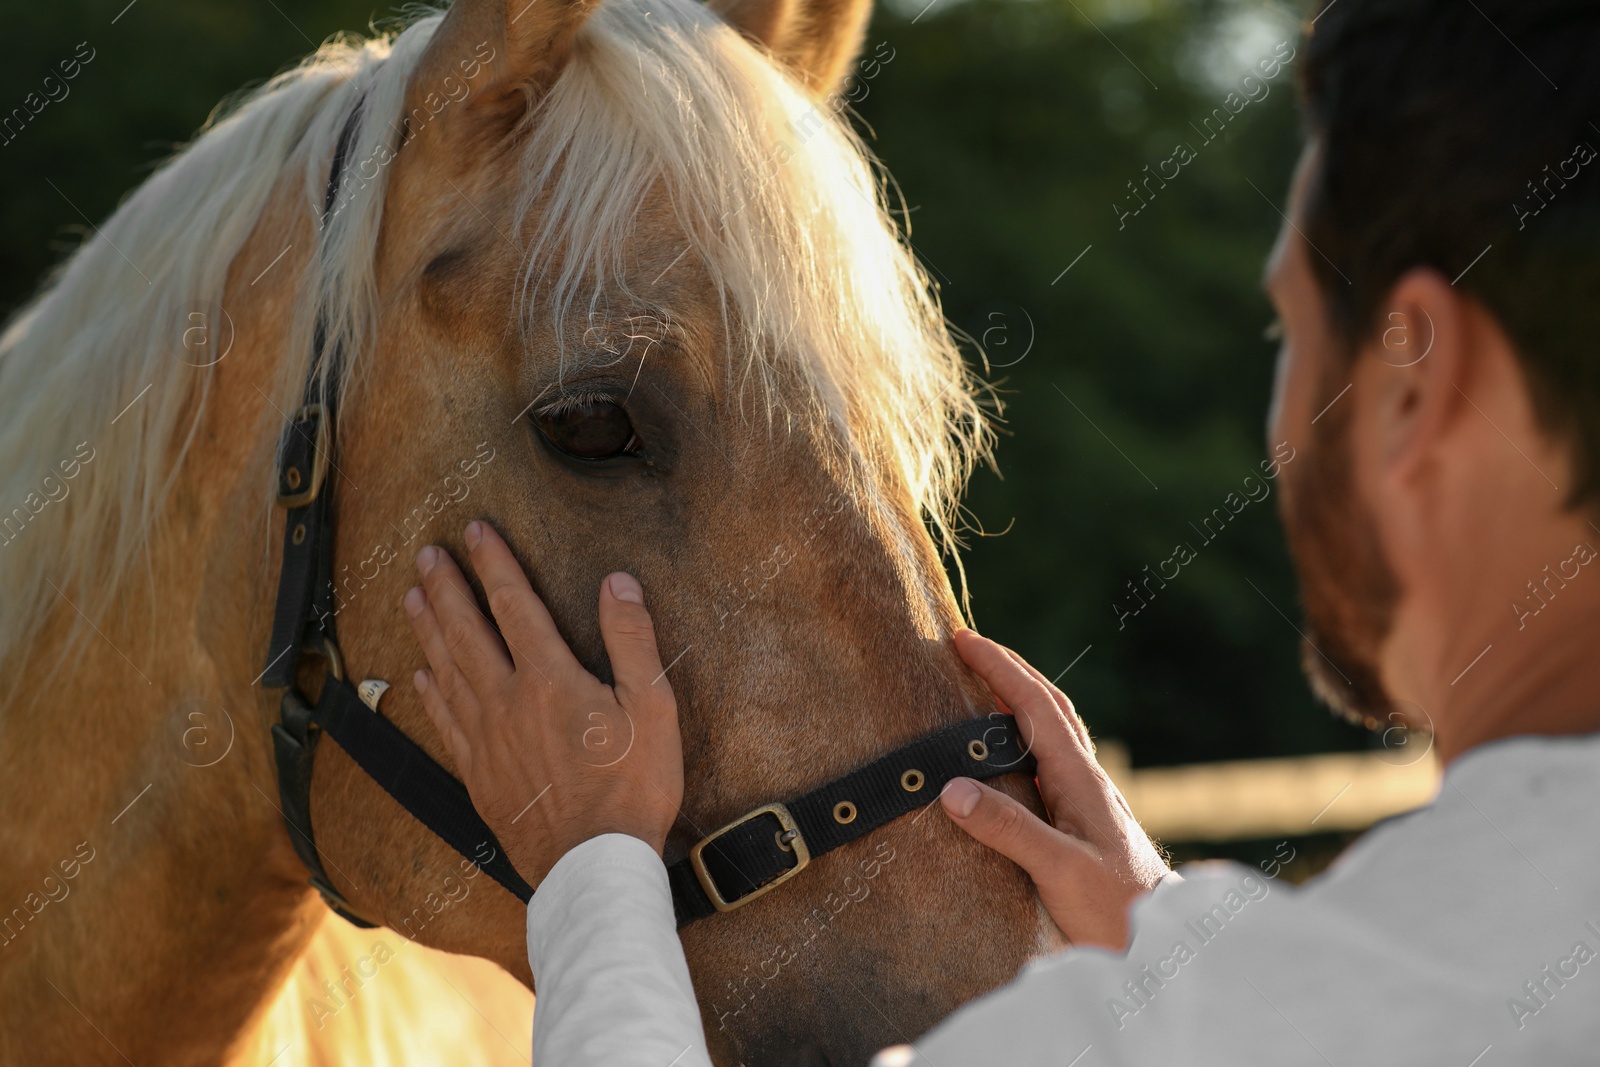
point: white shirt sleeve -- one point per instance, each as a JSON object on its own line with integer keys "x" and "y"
{"x": 611, "y": 981}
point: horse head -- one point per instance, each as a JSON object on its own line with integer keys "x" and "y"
{"x": 616, "y": 277}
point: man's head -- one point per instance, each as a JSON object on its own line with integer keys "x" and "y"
{"x": 1439, "y": 284}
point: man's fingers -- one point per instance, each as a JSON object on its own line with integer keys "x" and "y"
{"x": 1000, "y": 822}
{"x": 1068, "y": 712}
{"x": 1044, "y": 728}
{"x": 630, "y": 638}
{"x": 1070, "y": 779}
{"x": 450, "y": 732}
{"x": 471, "y": 642}
{"x": 525, "y": 623}
{"x": 448, "y": 684}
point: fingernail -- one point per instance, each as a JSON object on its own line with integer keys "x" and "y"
{"x": 474, "y": 534}
{"x": 420, "y": 680}
{"x": 960, "y": 796}
{"x": 626, "y": 587}
{"x": 426, "y": 559}
{"x": 415, "y": 601}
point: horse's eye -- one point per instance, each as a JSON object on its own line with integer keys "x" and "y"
{"x": 589, "y": 428}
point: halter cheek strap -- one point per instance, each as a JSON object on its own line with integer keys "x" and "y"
{"x": 727, "y": 869}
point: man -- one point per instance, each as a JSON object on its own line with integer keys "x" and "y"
{"x": 1437, "y": 283}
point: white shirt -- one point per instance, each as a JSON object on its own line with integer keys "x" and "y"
{"x": 1466, "y": 934}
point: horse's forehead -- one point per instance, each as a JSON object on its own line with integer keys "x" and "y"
{"x": 478, "y": 290}
{"x": 472, "y": 233}
{"x": 477, "y": 226}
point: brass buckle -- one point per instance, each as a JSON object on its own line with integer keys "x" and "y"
{"x": 311, "y": 484}
{"x": 797, "y": 842}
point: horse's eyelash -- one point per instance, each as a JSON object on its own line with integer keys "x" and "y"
{"x": 567, "y": 402}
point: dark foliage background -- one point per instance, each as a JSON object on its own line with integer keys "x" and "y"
{"x": 1137, "y": 382}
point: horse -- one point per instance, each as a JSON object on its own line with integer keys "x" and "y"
{"x": 614, "y": 275}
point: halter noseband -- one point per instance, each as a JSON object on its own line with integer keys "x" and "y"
{"x": 727, "y": 869}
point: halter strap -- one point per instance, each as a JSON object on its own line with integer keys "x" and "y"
{"x": 303, "y": 615}
{"x": 766, "y": 847}
{"x": 755, "y": 853}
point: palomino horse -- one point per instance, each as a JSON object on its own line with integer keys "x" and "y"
{"x": 611, "y": 275}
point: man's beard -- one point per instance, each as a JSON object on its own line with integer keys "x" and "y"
{"x": 1346, "y": 586}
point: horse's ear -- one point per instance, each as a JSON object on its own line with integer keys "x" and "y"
{"x": 818, "y": 39}
{"x": 494, "y": 56}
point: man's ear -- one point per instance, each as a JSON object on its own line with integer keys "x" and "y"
{"x": 817, "y": 39}
{"x": 1438, "y": 361}
{"x": 489, "y": 60}
{"x": 1415, "y": 359}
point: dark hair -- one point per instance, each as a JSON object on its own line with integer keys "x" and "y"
{"x": 1446, "y": 127}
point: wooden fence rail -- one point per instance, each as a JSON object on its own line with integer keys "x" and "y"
{"x": 1272, "y": 797}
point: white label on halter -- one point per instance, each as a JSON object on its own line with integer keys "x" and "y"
{"x": 371, "y": 691}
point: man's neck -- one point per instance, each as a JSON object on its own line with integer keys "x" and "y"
{"x": 1537, "y": 673}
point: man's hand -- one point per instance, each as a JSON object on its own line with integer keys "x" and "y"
{"x": 551, "y": 755}
{"x": 1092, "y": 859}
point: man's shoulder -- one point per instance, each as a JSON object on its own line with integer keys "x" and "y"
{"x": 1506, "y": 819}
{"x": 1439, "y": 934}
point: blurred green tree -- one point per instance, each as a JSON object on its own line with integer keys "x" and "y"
{"x": 1137, "y": 381}
{"x": 159, "y": 67}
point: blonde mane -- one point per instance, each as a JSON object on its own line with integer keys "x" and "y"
{"x": 776, "y": 195}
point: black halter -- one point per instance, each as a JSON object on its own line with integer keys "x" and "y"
{"x": 755, "y": 853}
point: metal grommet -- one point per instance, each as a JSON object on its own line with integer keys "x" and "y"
{"x": 291, "y": 477}
{"x": 784, "y": 837}
{"x": 299, "y": 533}
{"x": 844, "y": 812}
{"x": 912, "y": 780}
{"x": 978, "y": 750}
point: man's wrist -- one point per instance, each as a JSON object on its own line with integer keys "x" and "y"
{"x": 535, "y": 858}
